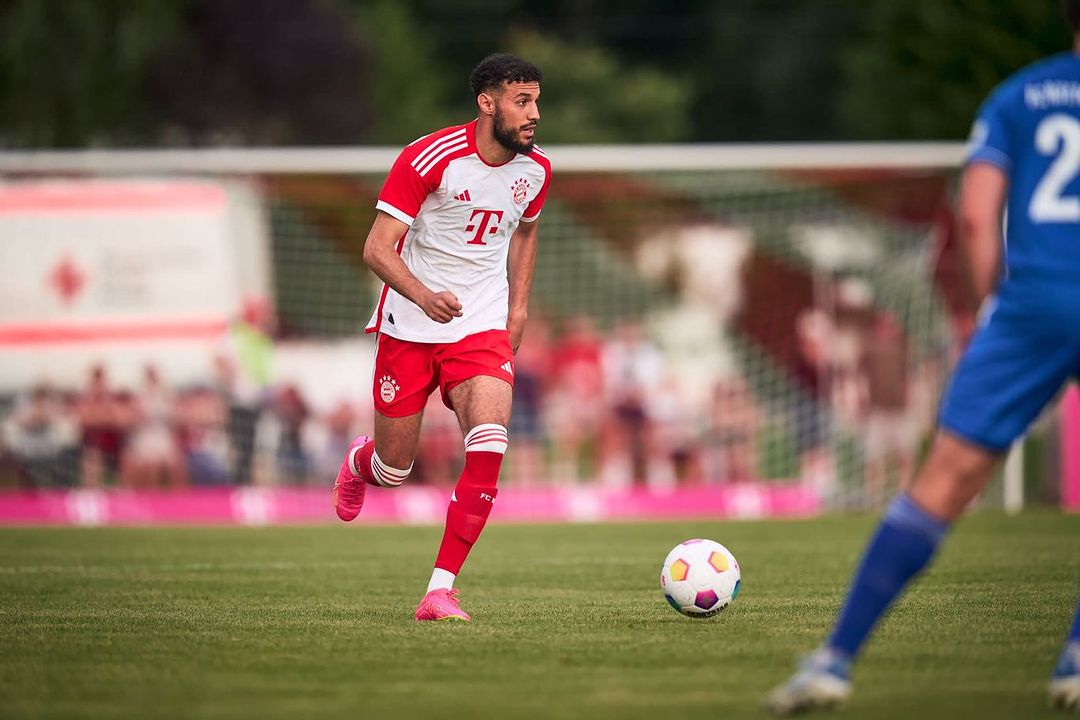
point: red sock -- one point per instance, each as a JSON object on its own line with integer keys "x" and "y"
{"x": 473, "y": 496}
{"x": 372, "y": 470}
{"x": 362, "y": 463}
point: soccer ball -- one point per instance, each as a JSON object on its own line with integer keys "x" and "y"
{"x": 700, "y": 578}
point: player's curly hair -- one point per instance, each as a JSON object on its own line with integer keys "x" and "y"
{"x": 1072, "y": 13}
{"x": 496, "y": 70}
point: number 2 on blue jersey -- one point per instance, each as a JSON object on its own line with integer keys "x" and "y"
{"x": 1049, "y": 203}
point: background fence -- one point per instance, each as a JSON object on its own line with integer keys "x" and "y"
{"x": 701, "y": 316}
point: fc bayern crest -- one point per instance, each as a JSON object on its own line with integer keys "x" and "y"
{"x": 521, "y": 190}
{"x": 388, "y": 389}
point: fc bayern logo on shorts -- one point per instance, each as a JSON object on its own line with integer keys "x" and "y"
{"x": 388, "y": 388}
{"x": 521, "y": 190}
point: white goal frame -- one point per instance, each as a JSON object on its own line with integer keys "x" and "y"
{"x": 567, "y": 158}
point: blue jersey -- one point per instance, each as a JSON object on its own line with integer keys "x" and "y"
{"x": 1029, "y": 345}
{"x": 1030, "y": 128}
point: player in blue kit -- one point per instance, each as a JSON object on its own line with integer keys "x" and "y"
{"x": 1025, "y": 161}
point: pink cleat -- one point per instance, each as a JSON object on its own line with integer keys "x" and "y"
{"x": 441, "y": 604}
{"x": 349, "y": 487}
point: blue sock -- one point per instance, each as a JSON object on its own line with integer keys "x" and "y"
{"x": 1069, "y": 662}
{"x": 903, "y": 545}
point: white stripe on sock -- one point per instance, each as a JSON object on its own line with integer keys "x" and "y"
{"x": 489, "y": 437}
{"x": 352, "y": 460}
{"x": 385, "y": 475}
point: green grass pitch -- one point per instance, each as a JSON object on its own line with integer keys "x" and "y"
{"x": 569, "y": 622}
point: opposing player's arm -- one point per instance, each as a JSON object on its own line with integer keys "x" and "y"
{"x": 520, "y": 265}
{"x": 381, "y": 255}
{"x": 982, "y": 196}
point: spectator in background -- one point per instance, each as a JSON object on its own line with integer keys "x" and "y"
{"x": 574, "y": 409}
{"x": 330, "y": 438}
{"x": 153, "y": 454}
{"x": 630, "y": 451}
{"x": 41, "y": 438}
{"x": 244, "y": 403}
{"x": 732, "y": 438}
{"x": 438, "y": 457}
{"x": 202, "y": 416}
{"x": 104, "y": 421}
{"x": 813, "y": 333}
{"x": 291, "y": 412}
{"x": 532, "y": 377}
{"x": 854, "y": 312}
{"x": 243, "y": 371}
{"x": 891, "y": 429}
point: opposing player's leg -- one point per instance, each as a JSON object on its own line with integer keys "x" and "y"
{"x": 997, "y": 390}
{"x": 905, "y": 541}
{"x": 1065, "y": 682}
{"x": 402, "y": 382}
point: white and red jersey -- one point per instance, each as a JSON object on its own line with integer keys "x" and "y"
{"x": 461, "y": 213}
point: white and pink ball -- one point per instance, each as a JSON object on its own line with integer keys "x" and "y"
{"x": 700, "y": 578}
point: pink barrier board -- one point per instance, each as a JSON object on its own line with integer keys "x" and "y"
{"x": 1070, "y": 450}
{"x": 415, "y": 505}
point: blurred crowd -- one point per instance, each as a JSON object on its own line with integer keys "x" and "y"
{"x": 588, "y": 406}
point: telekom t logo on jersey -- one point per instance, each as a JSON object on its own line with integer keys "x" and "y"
{"x": 481, "y": 225}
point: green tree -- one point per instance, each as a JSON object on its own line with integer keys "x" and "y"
{"x": 410, "y": 87}
{"x": 588, "y": 97}
{"x": 72, "y": 73}
{"x": 266, "y": 72}
{"x": 922, "y": 67}
{"x": 770, "y": 69}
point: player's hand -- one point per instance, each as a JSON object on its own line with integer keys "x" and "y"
{"x": 442, "y": 307}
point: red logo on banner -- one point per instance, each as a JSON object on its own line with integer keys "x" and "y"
{"x": 67, "y": 280}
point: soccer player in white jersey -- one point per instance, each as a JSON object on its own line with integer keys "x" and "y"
{"x": 454, "y": 241}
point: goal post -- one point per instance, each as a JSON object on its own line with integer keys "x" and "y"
{"x": 701, "y": 314}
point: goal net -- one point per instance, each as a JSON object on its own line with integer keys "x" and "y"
{"x": 700, "y": 314}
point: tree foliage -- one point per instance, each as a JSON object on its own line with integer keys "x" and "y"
{"x": 263, "y": 72}
{"x": 922, "y": 67}
{"x": 79, "y": 73}
{"x": 591, "y": 98}
{"x": 411, "y": 89}
{"x": 71, "y": 73}
{"x": 769, "y": 69}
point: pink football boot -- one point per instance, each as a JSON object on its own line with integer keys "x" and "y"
{"x": 441, "y": 604}
{"x": 349, "y": 487}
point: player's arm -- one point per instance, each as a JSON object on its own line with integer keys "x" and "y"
{"x": 381, "y": 255}
{"x": 982, "y": 196}
{"x": 520, "y": 265}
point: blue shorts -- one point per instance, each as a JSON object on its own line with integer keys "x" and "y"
{"x": 1015, "y": 365}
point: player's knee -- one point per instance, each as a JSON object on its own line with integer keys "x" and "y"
{"x": 385, "y": 475}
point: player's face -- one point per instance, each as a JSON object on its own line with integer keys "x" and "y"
{"x": 516, "y": 115}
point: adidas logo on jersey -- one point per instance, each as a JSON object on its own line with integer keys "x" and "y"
{"x": 508, "y": 367}
{"x": 464, "y": 195}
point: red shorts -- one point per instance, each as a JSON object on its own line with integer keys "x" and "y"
{"x": 406, "y": 373}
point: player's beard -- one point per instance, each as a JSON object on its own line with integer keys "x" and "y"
{"x": 508, "y": 136}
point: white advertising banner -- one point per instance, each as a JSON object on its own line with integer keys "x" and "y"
{"x": 120, "y": 272}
